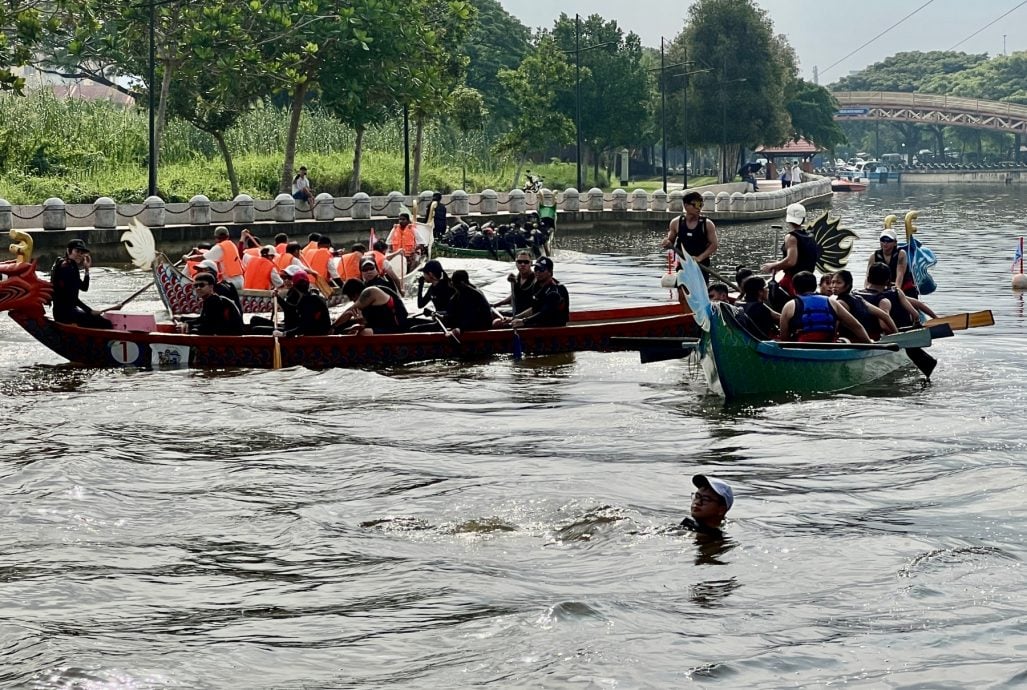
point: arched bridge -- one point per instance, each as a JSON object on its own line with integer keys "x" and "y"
{"x": 932, "y": 109}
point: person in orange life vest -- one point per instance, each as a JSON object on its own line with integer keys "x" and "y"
{"x": 318, "y": 260}
{"x": 348, "y": 265}
{"x": 403, "y": 236}
{"x": 225, "y": 254}
{"x": 261, "y": 273}
{"x": 310, "y": 247}
{"x": 248, "y": 242}
{"x": 191, "y": 264}
{"x": 813, "y": 318}
{"x": 290, "y": 257}
{"x": 281, "y": 242}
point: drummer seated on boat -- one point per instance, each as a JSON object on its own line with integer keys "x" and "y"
{"x": 219, "y": 315}
{"x": 373, "y": 310}
{"x": 813, "y": 318}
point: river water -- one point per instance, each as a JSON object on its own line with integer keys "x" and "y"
{"x": 508, "y": 523}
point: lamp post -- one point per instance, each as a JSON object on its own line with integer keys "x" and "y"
{"x": 152, "y": 184}
{"x": 663, "y": 109}
{"x": 684, "y": 119}
{"x": 406, "y": 149}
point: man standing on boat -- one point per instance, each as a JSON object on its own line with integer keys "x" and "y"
{"x": 693, "y": 233}
{"x": 67, "y": 307}
{"x": 799, "y": 252}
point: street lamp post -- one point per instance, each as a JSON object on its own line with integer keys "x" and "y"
{"x": 577, "y": 94}
{"x": 663, "y": 118}
{"x": 152, "y": 184}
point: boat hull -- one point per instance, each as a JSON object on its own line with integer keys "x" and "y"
{"x": 738, "y": 365}
{"x": 109, "y": 348}
{"x": 446, "y": 251}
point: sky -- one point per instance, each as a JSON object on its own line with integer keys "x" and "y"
{"x": 823, "y": 32}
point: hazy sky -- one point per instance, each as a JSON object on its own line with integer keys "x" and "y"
{"x": 823, "y": 32}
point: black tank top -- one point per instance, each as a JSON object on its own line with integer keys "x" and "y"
{"x": 692, "y": 241}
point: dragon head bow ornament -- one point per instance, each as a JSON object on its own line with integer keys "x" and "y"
{"x": 22, "y": 290}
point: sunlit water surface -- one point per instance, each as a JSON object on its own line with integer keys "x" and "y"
{"x": 508, "y": 523}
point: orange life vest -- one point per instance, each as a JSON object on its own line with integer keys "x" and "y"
{"x": 307, "y": 252}
{"x": 283, "y": 261}
{"x": 403, "y": 239}
{"x": 349, "y": 266}
{"x": 258, "y": 274}
{"x": 379, "y": 259}
{"x": 230, "y": 265}
{"x": 190, "y": 267}
{"x": 319, "y": 261}
{"x": 280, "y": 248}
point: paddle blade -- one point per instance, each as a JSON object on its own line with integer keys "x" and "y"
{"x": 140, "y": 244}
{"x": 276, "y": 358}
{"x": 518, "y": 349}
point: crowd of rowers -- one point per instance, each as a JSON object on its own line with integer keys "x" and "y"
{"x": 797, "y": 308}
{"x": 301, "y": 275}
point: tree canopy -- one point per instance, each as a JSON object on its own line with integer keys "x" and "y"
{"x": 909, "y": 72}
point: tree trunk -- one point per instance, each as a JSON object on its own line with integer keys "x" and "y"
{"x": 595, "y": 165}
{"x": 358, "y": 152}
{"x": 517, "y": 172}
{"x": 219, "y": 137}
{"x": 415, "y": 178}
{"x": 162, "y": 110}
{"x": 285, "y": 185}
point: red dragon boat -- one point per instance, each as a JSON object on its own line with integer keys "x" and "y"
{"x": 23, "y": 293}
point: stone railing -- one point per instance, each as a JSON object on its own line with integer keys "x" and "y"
{"x": 729, "y": 199}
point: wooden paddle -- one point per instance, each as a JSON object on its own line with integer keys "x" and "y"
{"x": 961, "y": 322}
{"x": 276, "y": 358}
{"x": 656, "y": 349}
{"x": 721, "y": 278}
{"x": 449, "y": 333}
{"x": 138, "y": 292}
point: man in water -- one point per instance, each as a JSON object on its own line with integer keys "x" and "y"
{"x": 710, "y": 503}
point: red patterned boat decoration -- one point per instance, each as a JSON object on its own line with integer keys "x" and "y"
{"x": 23, "y": 293}
{"x": 176, "y": 292}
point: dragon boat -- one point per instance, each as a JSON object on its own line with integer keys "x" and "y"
{"x": 23, "y": 294}
{"x": 443, "y": 250}
{"x": 737, "y": 364}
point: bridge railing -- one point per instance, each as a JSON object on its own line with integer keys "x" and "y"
{"x": 976, "y": 106}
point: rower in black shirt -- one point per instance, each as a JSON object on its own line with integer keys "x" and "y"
{"x": 219, "y": 315}
{"x": 67, "y": 283}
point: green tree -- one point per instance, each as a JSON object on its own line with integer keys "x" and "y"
{"x": 738, "y": 94}
{"x": 25, "y": 24}
{"x": 534, "y": 85}
{"x": 1003, "y": 78}
{"x": 811, "y": 109}
{"x": 496, "y": 40}
{"x": 614, "y": 83}
{"x": 909, "y": 72}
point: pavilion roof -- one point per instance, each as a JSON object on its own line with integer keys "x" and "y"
{"x": 797, "y": 147}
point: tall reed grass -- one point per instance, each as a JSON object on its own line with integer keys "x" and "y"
{"x": 80, "y": 150}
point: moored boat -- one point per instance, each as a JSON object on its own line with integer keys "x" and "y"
{"x": 441, "y": 249}
{"x": 25, "y": 294}
{"x": 841, "y": 184}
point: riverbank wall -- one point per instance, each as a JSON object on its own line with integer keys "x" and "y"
{"x": 178, "y": 227}
{"x": 1009, "y": 177}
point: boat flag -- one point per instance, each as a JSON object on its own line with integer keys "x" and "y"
{"x": 373, "y": 240}
{"x": 1018, "y": 257}
{"x": 921, "y": 259}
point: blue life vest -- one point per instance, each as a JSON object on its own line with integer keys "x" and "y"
{"x": 813, "y": 314}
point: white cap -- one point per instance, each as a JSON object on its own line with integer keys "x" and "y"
{"x": 795, "y": 213}
{"x": 207, "y": 263}
{"x": 293, "y": 269}
{"x": 890, "y": 234}
{"x": 701, "y": 481}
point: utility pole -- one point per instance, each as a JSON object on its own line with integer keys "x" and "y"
{"x": 577, "y": 94}
{"x": 152, "y": 185}
{"x": 663, "y": 117}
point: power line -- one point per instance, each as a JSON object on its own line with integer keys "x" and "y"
{"x": 835, "y": 64}
{"x": 988, "y": 24}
